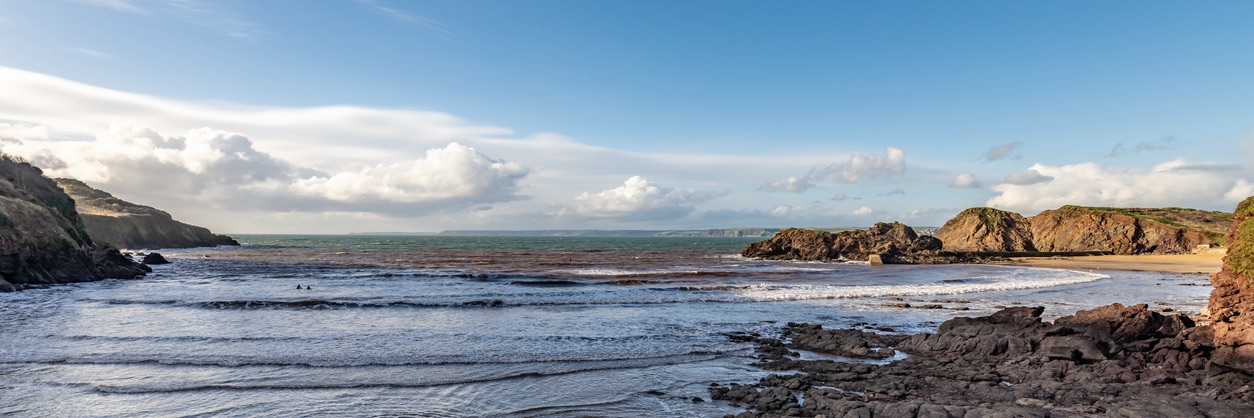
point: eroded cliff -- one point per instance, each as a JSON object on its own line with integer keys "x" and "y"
{"x": 42, "y": 238}
{"x": 987, "y": 229}
{"x": 128, "y": 225}
{"x": 1232, "y": 302}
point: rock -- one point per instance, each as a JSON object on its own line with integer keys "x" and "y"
{"x": 155, "y": 258}
{"x": 128, "y": 225}
{"x": 1115, "y": 230}
{"x": 1232, "y": 302}
{"x": 894, "y": 243}
{"x": 987, "y": 229}
{"x": 875, "y": 260}
{"x": 42, "y": 238}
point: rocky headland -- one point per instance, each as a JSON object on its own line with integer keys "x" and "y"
{"x": 42, "y": 238}
{"x": 982, "y": 234}
{"x": 128, "y": 225}
{"x": 888, "y": 242}
{"x": 1114, "y": 360}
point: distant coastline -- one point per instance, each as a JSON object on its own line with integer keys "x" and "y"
{"x": 714, "y": 232}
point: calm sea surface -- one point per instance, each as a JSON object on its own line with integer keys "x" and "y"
{"x": 474, "y": 326}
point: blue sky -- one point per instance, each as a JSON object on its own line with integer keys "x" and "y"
{"x": 338, "y": 116}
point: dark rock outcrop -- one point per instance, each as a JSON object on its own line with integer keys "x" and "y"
{"x": 1115, "y": 360}
{"x": 987, "y": 229}
{"x": 1232, "y": 302}
{"x": 1078, "y": 228}
{"x": 43, "y": 240}
{"x": 128, "y": 225}
{"x": 895, "y": 243}
{"x": 154, "y": 258}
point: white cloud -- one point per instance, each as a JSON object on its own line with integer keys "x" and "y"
{"x": 225, "y": 168}
{"x": 90, "y": 52}
{"x": 865, "y": 165}
{"x": 1241, "y": 189}
{"x": 1002, "y": 151}
{"x": 211, "y": 16}
{"x": 1027, "y": 177}
{"x": 862, "y": 211}
{"x": 791, "y": 185}
{"x": 454, "y": 172}
{"x": 15, "y": 133}
{"x": 964, "y": 181}
{"x": 840, "y": 197}
{"x": 638, "y": 198}
{"x": 1174, "y": 183}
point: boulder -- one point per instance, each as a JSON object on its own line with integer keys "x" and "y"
{"x": 1232, "y": 302}
{"x": 987, "y": 229}
{"x": 155, "y": 258}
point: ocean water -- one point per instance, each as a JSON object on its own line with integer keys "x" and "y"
{"x": 475, "y": 326}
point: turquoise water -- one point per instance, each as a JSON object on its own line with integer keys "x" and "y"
{"x": 437, "y": 242}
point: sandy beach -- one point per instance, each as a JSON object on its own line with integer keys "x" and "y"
{"x": 1203, "y": 263}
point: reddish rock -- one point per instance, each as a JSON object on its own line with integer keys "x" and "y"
{"x": 987, "y": 229}
{"x": 1232, "y": 301}
{"x": 1076, "y": 228}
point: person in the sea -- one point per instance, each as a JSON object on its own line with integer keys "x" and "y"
{"x": 297, "y": 287}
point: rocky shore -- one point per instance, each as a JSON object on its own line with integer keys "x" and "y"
{"x": 1114, "y": 360}
{"x": 1110, "y": 361}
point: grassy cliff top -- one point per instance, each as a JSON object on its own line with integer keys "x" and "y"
{"x": 92, "y": 201}
{"x": 1213, "y": 223}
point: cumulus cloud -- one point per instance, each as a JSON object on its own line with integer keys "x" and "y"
{"x": 862, "y": 211}
{"x": 1166, "y": 143}
{"x": 1002, "y": 151}
{"x": 862, "y": 166}
{"x": 1174, "y": 183}
{"x": 16, "y": 133}
{"x": 1027, "y": 177}
{"x": 640, "y": 199}
{"x": 965, "y": 181}
{"x": 791, "y": 185}
{"x": 455, "y": 172}
{"x": 225, "y": 166}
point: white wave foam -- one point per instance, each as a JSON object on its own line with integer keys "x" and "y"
{"x": 1016, "y": 280}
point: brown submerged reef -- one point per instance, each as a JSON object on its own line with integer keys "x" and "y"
{"x": 1114, "y": 360}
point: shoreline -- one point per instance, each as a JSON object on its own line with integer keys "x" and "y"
{"x": 1199, "y": 263}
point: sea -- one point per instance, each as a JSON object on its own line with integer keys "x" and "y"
{"x": 463, "y": 326}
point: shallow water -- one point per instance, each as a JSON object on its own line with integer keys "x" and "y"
{"x": 464, "y": 326}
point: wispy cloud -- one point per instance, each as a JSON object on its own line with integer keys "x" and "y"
{"x": 128, "y": 6}
{"x": 1165, "y": 143}
{"x": 1001, "y": 152}
{"x": 206, "y": 15}
{"x": 90, "y": 52}
{"x": 406, "y": 17}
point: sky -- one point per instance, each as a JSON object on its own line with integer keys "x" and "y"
{"x": 335, "y": 116}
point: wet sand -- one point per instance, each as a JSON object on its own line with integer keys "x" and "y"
{"x": 1204, "y": 263}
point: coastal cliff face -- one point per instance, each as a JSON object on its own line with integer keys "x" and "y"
{"x": 895, "y": 242}
{"x": 987, "y": 229}
{"x": 42, "y": 238}
{"x": 1076, "y": 228}
{"x": 128, "y": 225}
{"x": 1232, "y": 301}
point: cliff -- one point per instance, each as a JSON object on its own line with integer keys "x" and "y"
{"x": 1121, "y": 231}
{"x": 987, "y": 229}
{"x": 1232, "y": 302}
{"x": 42, "y": 237}
{"x": 128, "y": 225}
{"x": 894, "y": 242}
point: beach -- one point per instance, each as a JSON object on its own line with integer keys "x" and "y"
{"x": 1199, "y": 263}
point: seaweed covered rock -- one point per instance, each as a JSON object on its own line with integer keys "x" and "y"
{"x": 987, "y": 229}
{"x": 1232, "y": 301}
{"x": 42, "y": 238}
